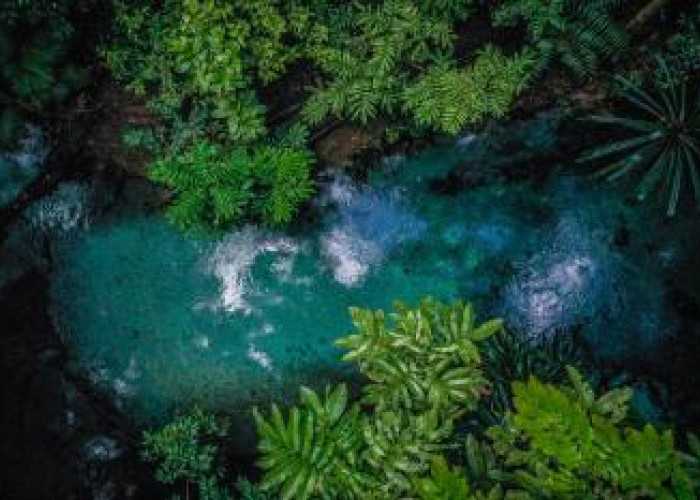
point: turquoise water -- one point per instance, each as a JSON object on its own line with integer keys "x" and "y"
{"x": 163, "y": 321}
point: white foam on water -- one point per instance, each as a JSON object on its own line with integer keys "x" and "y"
{"x": 371, "y": 223}
{"x": 350, "y": 255}
{"x": 20, "y": 167}
{"x": 65, "y": 210}
{"x": 232, "y": 260}
{"x": 259, "y": 357}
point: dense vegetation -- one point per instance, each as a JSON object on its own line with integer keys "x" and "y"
{"x": 411, "y": 434}
{"x": 240, "y": 90}
{"x": 39, "y": 71}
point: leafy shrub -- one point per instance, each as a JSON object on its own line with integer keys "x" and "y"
{"x": 371, "y": 51}
{"x": 423, "y": 371}
{"x": 163, "y": 52}
{"x": 186, "y": 450}
{"x": 577, "y": 33}
{"x": 681, "y": 52}
{"x": 218, "y": 187}
{"x": 35, "y": 74}
{"x": 446, "y": 99}
{"x": 315, "y": 452}
{"x": 564, "y": 442}
{"x": 667, "y": 140}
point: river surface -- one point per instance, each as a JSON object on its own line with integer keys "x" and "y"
{"x": 162, "y": 320}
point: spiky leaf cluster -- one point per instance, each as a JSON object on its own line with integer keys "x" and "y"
{"x": 426, "y": 359}
{"x": 315, "y": 451}
{"x": 666, "y": 140}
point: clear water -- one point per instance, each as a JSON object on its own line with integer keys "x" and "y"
{"x": 163, "y": 321}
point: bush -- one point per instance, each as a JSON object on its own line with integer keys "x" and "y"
{"x": 447, "y": 99}
{"x": 217, "y": 187}
{"x": 576, "y": 33}
{"x": 36, "y": 74}
{"x": 666, "y": 144}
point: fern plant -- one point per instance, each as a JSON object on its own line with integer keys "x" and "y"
{"x": 447, "y": 99}
{"x": 666, "y": 142}
{"x": 577, "y": 33}
{"x": 566, "y": 442}
{"x": 216, "y": 188}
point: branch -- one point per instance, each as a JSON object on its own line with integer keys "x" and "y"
{"x": 644, "y": 15}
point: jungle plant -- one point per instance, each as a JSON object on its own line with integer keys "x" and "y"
{"x": 217, "y": 187}
{"x": 186, "y": 453}
{"x": 509, "y": 356}
{"x": 423, "y": 371}
{"x": 372, "y": 50}
{"x": 443, "y": 483}
{"x": 564, "y": 442}
{"x": 446, "y": 99}
{"x": 35, "y": 74}
{"x": 427, "y": 359}
{"x": 666, "y": 142}
{"x": 577, "y": 33}
{"x": 315, "y": 452}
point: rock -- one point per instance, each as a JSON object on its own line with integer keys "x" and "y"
{"x": 340, "y": 146}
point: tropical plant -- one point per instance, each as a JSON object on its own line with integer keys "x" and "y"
{"x": 555, "y": 441}
{"x": 443, "y": 483}
{"x": 423, "y": 369}
{"x": 315, "y": 452}
{"x": 577, "y": 33}
{"x": 186, "y": 452}
{"x": 447, "y": 99}
{"x": 36, "y": 73}
{"x": 427, "y": 359}
{"x": 564, "y": 442}
{"x": 372, "y": 50}
{"x": 217, "y": 188}
{"x": 667, "y": 140}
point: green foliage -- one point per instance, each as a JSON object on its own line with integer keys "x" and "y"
{"x": 186, "y": 451}
{"x": 35, "y": 74}
{"x": 446, "y": 99}
{"x": 370, "y": 53}
{"x": 666, "y": 142}
{"x": 681, "y": 52}
{"x": 209, "y": 52}
{"x": 427, "y": 359}
{"x": 508, "y": 356}
{"x": 444, "y": 483}
{"x": 577, "y": 33}
{"x": 217, "y": 187}
{"x": 210, "y": 70}
{"x": 424, "y": 371}
{"x": 399, "y": 441}
{"x": 251, "y": 491}
{"x": 565, "y": 442}
{"x": 315, "y": 452}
